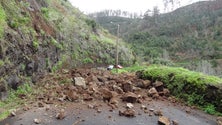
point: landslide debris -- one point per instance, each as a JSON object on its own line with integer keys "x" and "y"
{"x": 91, "y": 85}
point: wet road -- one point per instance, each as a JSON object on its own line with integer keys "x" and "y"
{"x": 79, "y": 114}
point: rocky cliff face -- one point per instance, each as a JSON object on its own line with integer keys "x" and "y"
{"x": 40, "y": 36}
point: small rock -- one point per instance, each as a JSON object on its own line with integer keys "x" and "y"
{"x": 13, "y": 113}
{"x": 117, "y": 89}
{"x": 40, "y": 104}
{"x": 90, "y": 106}
{"x": 127, "y": 113}
{"x": 99, "y": 111}
{"x": 165, "y": 92}
{"x": 47, "y": 107}
{"x": 146, "y": 83}
{"x": 143, "y": 83}
{"x": 157, "y": 84}
{"x": 113, "y": 101}
{"x": 79, "y": 81}
{"x": 129, "y": 105}
{"x": 61, "y": 114}
{"x": 151, "y": 109}
{"x": 143, "y": 107}
{"x": 219, "y": 120}
{"x": 163, "y": 120}
{"x": 130, "y": 97}
{"x": 158, "y": 113}
{"x": 175, "y": 122}
{"x": 127, "y": 87}
{"x": 152, "y": 92}
{"x": 106, "y": 93}
{"x": 188, "y": 110}
{"x": 37, "y": 121}
{"x": 72, "y": 95}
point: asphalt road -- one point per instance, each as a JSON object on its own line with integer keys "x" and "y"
{"x": 79, "y": 114}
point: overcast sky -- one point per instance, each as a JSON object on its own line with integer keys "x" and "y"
{"x": 89, "y": 6}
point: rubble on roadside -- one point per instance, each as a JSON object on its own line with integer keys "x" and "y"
{"x": 87, "y": 85}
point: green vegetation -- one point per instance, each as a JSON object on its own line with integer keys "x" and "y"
{"x": 56, "y": 44}
{"x": 1, "y": 63}
{"x": 87, "y": 60}
{"x": 35, "y": 44}
{"x": 192, "y": 87}
{"x": 14, "y": 101}
{"x": 2, "y": 21}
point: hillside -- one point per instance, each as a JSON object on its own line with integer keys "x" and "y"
{"x": 45, "y": 35}
{"x": 189, "y": 36}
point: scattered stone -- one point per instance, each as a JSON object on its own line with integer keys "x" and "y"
{"x": 40, "y": 104}
{"x": 219, "y": 120}
{"x": 37, "y": 121}
{"x": 79, "y": 81}
{"x": 47, "y": 107}
{"x": 87, "y": 97}
{"x": 130, "y": 97}
{"x": 106, "y": 93}
{"x": 72, "y": 95}
{"x": 127, "y": 87}
{"x": 175, "y": 122}
{"x": 157, "y": 84}
{"x": 117, "y": 89}
{"x": 158, "y": 113}
{"x": 129, "y": 105}
{"x": 146, "y": 83}
{"x": 99, "y": 111}
{"x": 153, "y": 92}
{"x": 143, "y": 107}
{"x": 127, "y": 113}
{"x": 188, "y": 110}
{"x": 61, "y": 114}
{"x": 13, "y": 113}
{"x": 90, "y": 106}
{"x": 151, "y": 109}
{"x": 114, "y": 101}
{"x": 165, "y": 92}
{"x": 163, "y": 120}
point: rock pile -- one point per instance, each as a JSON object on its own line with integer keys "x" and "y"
{"x": 100, "y": 85}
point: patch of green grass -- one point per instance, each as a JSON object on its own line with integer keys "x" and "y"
{"x": 4, "y": 115}
{"x": 2, "y": 21}
{"x": 35, "y": 44}
{"x": 1, "y": 63}
{"x": 13, "y": 101}
{"x": 87, "y": 60}
{"x": 56, "y": 44}
{"x": 210, "y": 109}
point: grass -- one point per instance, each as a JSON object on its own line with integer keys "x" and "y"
{"x": 13, "y": 101}
{"x": 193, "y": 87}
{"x": 2, "y": 20}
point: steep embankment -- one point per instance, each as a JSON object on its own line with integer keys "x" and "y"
{"x": 38, "y": 36}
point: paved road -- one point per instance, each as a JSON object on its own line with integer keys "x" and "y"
{"x": 79, "y": 114}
